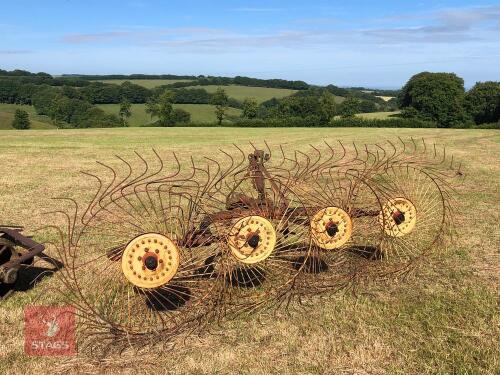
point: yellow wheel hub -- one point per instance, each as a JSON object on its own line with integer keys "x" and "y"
{"x": 252, "y": 239}
{"x": 331, "y": 228}
{"x": 398, "y": 217}
{"x": 150, "y": 260}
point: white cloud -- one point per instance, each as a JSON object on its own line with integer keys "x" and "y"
{"x": 137, "y": 35}
{"x": 446, "y": 26}
{"x": 442, "y": 27}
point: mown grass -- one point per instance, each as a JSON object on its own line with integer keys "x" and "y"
{"x": 148, "y": 83}
{"x": 200, "y": 113}
{"x": 378, "y": 115}
{"x": 7, "y": 115}
{"x": 385, "y": 98}
{"x": 260, "y": 94}
{"x": 443, "y": 319}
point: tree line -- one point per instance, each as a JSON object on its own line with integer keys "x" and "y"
{"x": 427, "y": 100}
{"x": 67, "y": 109}
{"x": 74, "y": 106}
{"x": 441, "y": 98}
{"x": 101, "y": 77}
{"x": 317, "y": 105}
{"x": 16, "y": 91}
{"x": 202, "y": 80}
{"x": 19, "y": 87}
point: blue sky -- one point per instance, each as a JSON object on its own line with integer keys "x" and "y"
{"x": 347, "y": 43}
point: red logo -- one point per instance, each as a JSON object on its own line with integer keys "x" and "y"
{"x": 49, "y": 331}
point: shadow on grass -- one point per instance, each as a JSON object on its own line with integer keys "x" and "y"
{"x": 247, "y": 277}
{"x": 28, "y": 278}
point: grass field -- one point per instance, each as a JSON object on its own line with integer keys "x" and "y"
{"x": 385, "y": 98}
{"x": 148, "y": 83}
{"x": 377, "y": 115}
{"x": 260, "y": 94}
{"x": 238, "y": 92}
{"x": 443, "y": 319}
{"x": 199, "y": 112}
{"x": 7, "y": 115}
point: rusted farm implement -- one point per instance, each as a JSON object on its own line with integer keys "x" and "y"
{"x": 17, "y": 251}
{"x": 161, "y": 249}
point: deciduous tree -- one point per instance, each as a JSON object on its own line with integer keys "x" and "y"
{"x": 125, "y": 110}
{"x": 349, "y": 107}
{"x": 250, "y": 108}
{"x": 220, "y": 100}
{"x": 328, "y": 105}
{"x": 482, "y": 102}
{"x": 436, "y": 97}
{"x": 162, "y": 108}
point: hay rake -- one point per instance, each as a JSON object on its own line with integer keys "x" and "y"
{"x": 161, "y": 249}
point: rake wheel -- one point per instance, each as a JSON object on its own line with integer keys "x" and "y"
{"x": 258, "y": 223}
{"x": 414, "y": 215}
{"x": 398, "y": 217}
{"x": 150, "y": 260}
{"x": 331, "y": 228}
{"x": 134, "y": 271}
{"x": 343, "y": 210}
{"x": 252, "y": 239}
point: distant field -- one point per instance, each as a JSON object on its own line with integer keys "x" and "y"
{"x": 139, "y": 116}
{"x": 148, "y": 83}
{"x": 260, "y": 94}
{"x": 199, "y": 112}
{"x": 385, "y": 98}
{"x": 7, "y": 115}
{"x": 377, "y": 115}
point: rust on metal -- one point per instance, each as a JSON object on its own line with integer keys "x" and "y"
{"x": 16, "y": 251}
{"x": 246, "y": 230}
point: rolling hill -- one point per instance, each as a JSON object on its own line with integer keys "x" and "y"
{"x": 200, "y": 113}
{"x": 7, "y": 115}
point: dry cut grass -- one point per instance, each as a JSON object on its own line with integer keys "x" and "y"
{"x": 442, "y": 319}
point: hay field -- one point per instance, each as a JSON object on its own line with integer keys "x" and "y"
{"x": 385, "y": 98}
{"x": 444, "y": 319}
{"x": 377, "y": 115}
{"x": 260, "y": 94}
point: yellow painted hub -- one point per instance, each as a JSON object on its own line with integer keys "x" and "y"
{"x": 331, "y": 228}
{"x": 252, "y": 239}
{"x": 398, "y": 217}
{"x": 150, "y": 260}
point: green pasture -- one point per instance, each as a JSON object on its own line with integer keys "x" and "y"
{"x": 260, "y": 94}
{"x": 7, "y": 115}
{"x": 200, "y": 113}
